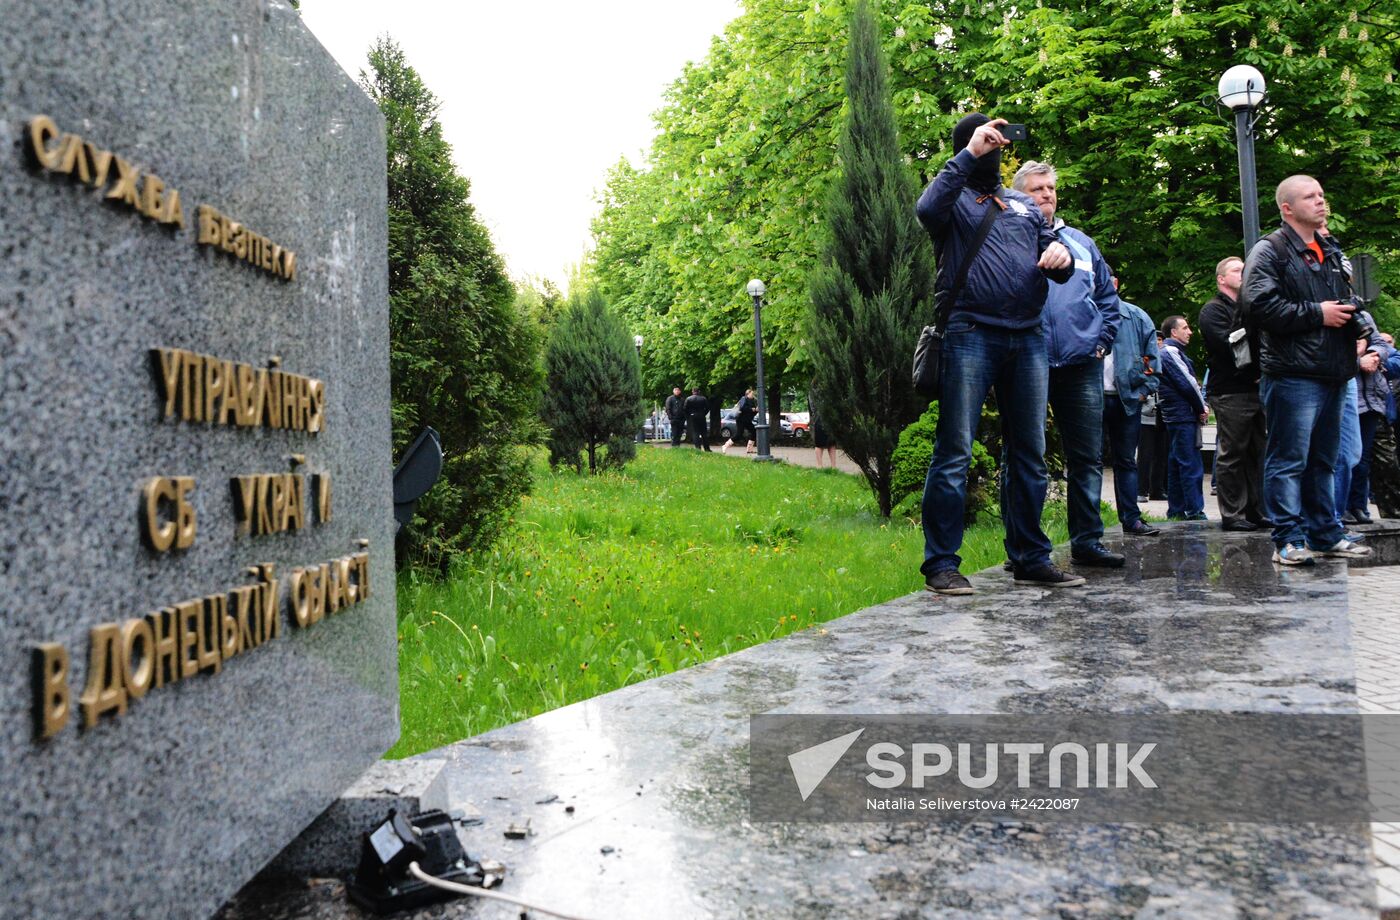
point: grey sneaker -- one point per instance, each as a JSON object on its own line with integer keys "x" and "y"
{"x": 1345, "y": 549}
{"x": 949, "y": 581}
{"x": 1047, "y": 576}
{"x": 1294, "y": 554}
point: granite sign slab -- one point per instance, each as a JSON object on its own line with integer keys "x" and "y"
{"x": 197, "y": 648}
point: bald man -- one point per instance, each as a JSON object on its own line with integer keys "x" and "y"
{"x": 1296, "y": 292}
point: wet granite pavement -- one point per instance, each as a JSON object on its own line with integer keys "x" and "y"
{"x": 656, "y": 775}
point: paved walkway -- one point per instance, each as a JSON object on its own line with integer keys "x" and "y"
{"x": 637, "y": 801}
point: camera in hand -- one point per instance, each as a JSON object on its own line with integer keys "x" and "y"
{"x": 1013, "y": 132}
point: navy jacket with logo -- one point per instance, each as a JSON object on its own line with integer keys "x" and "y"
{"x": 1004, "y": 287}
{"x": 1082, "y": 314}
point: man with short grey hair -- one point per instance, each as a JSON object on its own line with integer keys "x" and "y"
{"x": 1080, "y": 321}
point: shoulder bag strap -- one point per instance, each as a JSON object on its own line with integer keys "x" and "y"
{"x": 941, "y": 320}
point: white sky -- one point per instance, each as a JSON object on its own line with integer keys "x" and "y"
{"x": 538, "y": 99}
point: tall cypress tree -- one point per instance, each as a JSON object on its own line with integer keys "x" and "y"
{"x": 593, "y": 387}
{"x": 462, "y": 358}
{"x": 874, "y": 288}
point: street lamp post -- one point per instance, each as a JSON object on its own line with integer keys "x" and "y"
{"x": 637, "y": 340}
{"x": 1242, "y": 90}
{"x": 756, "y": 290}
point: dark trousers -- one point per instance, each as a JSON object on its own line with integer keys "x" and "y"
{"x": 1239, "y": 457}
{"x": 1123, "y": 427}
{"x": 677, "y": 431}
{"x": 1360, "y": 497}
{"x": 1185, "y": 472}
{"x": 1152, "y": 461}
{"x": 1076, "y": 397}
{"x": 699, "y": 435}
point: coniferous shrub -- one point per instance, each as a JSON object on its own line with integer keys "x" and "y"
{"x": 592, "y": 400}
{"x": 462, "y": 358}
{"x": 874, "y": 288}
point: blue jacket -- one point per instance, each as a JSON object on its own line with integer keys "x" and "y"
{"x": 1137, "y": 339}
{"x": 1179, "y": 398}
{"x": 1080, "y": 315}
{"x": 1004, "y": 287}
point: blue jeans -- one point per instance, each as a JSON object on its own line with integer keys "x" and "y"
{"x": 1349, "y": 450}
{"x": 1184, "y": 471}
{"x": 1304, "y": 420}
{"x": 1123, "y": 427}
{"x": 977, "y": 359}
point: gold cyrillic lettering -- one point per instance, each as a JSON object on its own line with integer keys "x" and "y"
{"x": 138, "y": 671}
{"x": 180, "y": 530}
{"x": 124, "y": 188}
{"x": 289, "y": 265}
{"x": 208, "y": 627}
{"x": 362, "y": 567}
{"x": 296, "y": 502}
{"x": 248, "y": 396}
{"x": 41, "y": 131}
{"x": 230, "y": 400}
{"x": 172, "y": 213}
{"x": 289, "y": 402}
{"x": 104, "y": 692}
{"x": 152, "y": 200}
{"x": 229, "y": 640}
{"x": 169, "y": 376}
{"x": 191, "y": 378}
{"x": 299, "y": 593}
{"x": 208, "y": 226}
{"x": 318, "y": 407}
{"x": 213, "y": 386}
{"x": 51, "y": 665}
{"x": 189, "y": 617}
{"x": 72, "y": 158}
{"x": 165, "y": 650}
{"x": 267, "y": 590}
{"x": 101, "y": 162}
{"x": 323, "y": 497}
{"x": 245, "y": 607}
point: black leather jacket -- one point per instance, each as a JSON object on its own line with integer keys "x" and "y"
{"x": 1284, "y": 286}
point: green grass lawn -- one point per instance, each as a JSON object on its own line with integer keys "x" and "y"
{"x": 609, "y": 580}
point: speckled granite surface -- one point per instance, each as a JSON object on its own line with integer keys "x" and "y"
{"x": 166, "y": 811}
{"x": 657, "y": 773}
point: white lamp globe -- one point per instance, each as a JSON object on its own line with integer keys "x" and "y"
{"x": 1241, "y": 87}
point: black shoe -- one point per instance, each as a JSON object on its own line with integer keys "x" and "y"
{"x": 1007, "y": 566}
{"x": 1142, "y": 529}
{"x": 948, "y": 581}
{"x": 1197, "y": 516}
{"x": 1159, "y": 498}
{"x": 1098, "y": 555}
{"x": 1047, "y": 576}
{"x": 1143, "y": 498}
{"x": 1362, "y": 516}
{"x": 1240, "y": 526}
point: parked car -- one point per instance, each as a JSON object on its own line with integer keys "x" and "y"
{"x": 729, "y": 424}
{"x": 801, "y": 423}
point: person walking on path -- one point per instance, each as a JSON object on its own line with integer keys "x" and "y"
{"x": 675, "y": 414}
{"x": 743, "y": 421}
{"x": 1080, "y": 321}
{"x": 1183, "y": 409}
{"x": 696, "y": 408}
{"x": 822, "y": 441}
{"x": 1130, "y": 373}
{"x": 1296, "y": 292}
{"x": 1232, "y": 353}
{"x": 992, "y": 339}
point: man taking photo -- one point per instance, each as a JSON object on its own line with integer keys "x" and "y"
{"x": 992, "y": 340}
{"x": 1296, "y": 292}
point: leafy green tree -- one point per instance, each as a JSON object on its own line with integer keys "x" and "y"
{"x": 592, "y": 401}
{"x": 462, "y": 359}
{"x": 1115, "y": 92}
{"x": 875, "y": 283}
